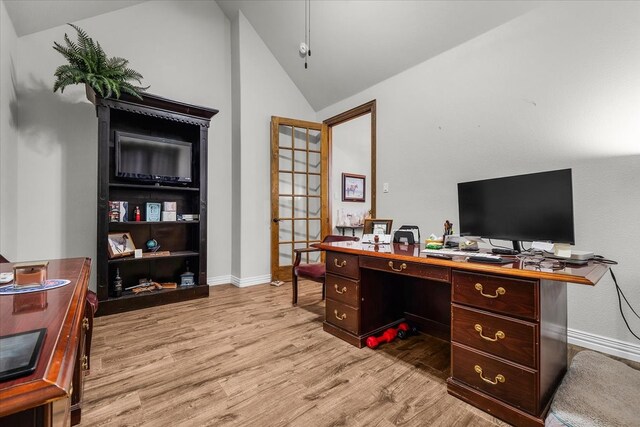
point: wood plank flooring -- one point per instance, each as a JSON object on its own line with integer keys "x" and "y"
{"x": 246, "y": 357}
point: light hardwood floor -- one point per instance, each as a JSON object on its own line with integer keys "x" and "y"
{"x": 246, "y": 357}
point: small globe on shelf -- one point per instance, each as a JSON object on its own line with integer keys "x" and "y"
{"x": 152, "y": 245}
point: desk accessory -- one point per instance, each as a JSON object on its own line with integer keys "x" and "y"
{"x": 30, "y": 273}
{"x": 6, "y": 277}
{"x": 19, "y": 353}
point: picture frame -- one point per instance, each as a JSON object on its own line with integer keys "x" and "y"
{"x": 377, "y": 226}
{"x": 353, "y": 187}
{"x": 120, "y": 244}
{"x": 153, "y": 210}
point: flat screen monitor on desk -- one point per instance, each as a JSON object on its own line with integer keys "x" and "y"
{"x": 532, "y": 207}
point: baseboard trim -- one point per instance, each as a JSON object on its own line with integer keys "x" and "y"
{"x": 250, "y": 281}
{"x": 604, "y": 344}
{"x": 219, "y": 280}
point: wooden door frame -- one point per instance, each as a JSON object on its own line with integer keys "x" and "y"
{"x": 325, "y": 220}
{"x": 354, "y": 113}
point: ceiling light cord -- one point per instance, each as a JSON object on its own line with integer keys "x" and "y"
{"x": 307, "y": 32}
{"x": 309, "y": 44}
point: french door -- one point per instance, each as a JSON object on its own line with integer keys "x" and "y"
{"x": 299, "y": 184}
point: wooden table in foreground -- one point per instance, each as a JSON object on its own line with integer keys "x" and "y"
{"x": 507, "y": 324}
{"x": 51, "y": 395}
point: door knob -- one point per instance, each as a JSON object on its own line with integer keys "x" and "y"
{"x": 276, "y": 219}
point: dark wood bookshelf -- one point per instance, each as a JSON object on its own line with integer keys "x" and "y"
{"x": 158, "y": 118}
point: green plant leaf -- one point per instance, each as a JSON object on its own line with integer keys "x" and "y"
{"x": 89, "y": 64}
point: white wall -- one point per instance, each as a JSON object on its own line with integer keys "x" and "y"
{"x": 265, "y": 90}
{"x": 558, "y": 87}
{"x": 8, "y": 137}
{"x": 188, "y": 60}
{"x": 350, "y": 153}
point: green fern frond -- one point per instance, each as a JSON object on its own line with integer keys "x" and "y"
{"x": 89, "y": 64}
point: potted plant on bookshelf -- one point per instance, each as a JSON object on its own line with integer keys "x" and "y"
{"x": 89, "y": 64}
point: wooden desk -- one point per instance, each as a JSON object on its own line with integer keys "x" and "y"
{"x": 507, "y": 323}
{"x": 52, "y": 395}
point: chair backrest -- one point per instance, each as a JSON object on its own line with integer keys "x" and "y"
{"x": 336, "y": 238}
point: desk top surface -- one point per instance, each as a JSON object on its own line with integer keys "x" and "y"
{"x": 522, "y": 266}
{"x": 60, "y": 310}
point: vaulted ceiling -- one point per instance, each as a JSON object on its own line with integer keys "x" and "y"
{"x": 354, "y": 44}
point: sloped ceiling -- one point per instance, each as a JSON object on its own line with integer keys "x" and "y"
{"x": 31, "y": 16}
{"x": 354, "y": 44}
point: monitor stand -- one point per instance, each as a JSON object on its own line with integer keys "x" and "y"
{"x": 507, "y": 251}
{"x": 516, "y": 246}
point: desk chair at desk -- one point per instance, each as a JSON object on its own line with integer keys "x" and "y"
{"x": 312, "y": 271}
{"x": 507, "y": 324}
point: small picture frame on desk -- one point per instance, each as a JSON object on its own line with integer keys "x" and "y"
{"x": 353, "y": 187}
{"x": 120, "y": 245}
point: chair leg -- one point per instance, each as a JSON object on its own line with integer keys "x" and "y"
{"x": 294, "y": 286}
{"x": 324, "y": 290}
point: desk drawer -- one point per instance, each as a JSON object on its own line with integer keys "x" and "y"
{"x": 514, "y": 297}
{"x": 415, "y": 269}
{"x": 342, "y": 316}
{"x": 510, "y": 339}
{"x": 511, "y": 383}
{"x": 342, "y": 289}
{"x": 343, "y": 264}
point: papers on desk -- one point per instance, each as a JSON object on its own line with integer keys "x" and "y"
{"x": 383, "y": 239}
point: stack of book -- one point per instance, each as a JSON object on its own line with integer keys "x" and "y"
{"x": 188, "y": 217}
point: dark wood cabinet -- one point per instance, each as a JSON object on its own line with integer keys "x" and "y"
{"x": 186, "y": 241}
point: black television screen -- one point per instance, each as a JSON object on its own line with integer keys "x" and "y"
{"x": 532, "y": 207}
{"x": 144, "y": 158}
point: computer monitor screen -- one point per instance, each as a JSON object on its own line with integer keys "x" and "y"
{"x": 532, "y": 207}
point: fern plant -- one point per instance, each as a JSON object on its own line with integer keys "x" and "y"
{"x": 89, "y": 64}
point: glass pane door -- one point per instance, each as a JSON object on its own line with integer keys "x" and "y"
{"x": 297, "y": 174}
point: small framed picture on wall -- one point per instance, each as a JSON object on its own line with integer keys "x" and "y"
{"x": 353, "y": 187}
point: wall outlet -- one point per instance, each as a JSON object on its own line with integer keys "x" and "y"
{"x": 385, "y": 187}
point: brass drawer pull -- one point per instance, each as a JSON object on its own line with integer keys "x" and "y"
{"x": 499, "y": 378}
{"x": 499, "y": 291}
{"x": 344, "y": 289}
{"x": 85, "y": 324}
{"x": 499, "y": 334}
{"x": 85, "y": 362}
{"x": 342, "y": 263}
{"x": 341, "y": 317}
{"x": 403, "y": 266}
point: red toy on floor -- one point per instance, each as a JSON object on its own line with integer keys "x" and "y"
{"x": 388, "y": 335}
